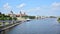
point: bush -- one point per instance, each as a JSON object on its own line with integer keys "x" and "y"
{"x": 10, "y": 18}
{"x": 58, "y": 20}
{"x": 15, "y": 18}
{"x": 30, "y": 17}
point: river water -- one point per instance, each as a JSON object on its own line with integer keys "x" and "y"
{"x": 40, "y": 26}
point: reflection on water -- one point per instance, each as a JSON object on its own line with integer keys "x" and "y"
{"x": 42, "y": 26}
{"x": 4, "y": 32}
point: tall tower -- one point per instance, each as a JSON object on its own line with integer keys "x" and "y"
{"x": 20, "y": 13}
{"x": 11, "y": 12}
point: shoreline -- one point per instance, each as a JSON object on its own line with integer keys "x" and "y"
{"x": 7, "y": 27}
{"x": 12, "y": 25}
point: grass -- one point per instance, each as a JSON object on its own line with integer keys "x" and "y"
{"x": 58, "y": 20}
{"x": 6, "y": 23}
{"x": 0, "y": 23}
{"x": 19, "y": 18}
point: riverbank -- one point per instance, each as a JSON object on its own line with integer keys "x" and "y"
{"x": 12, "y": 25}
{"x": 8, "y": 26}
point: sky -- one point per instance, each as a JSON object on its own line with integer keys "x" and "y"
{"x": 31, "y": 7}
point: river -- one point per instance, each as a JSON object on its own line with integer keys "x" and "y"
{"x": 40, "y": 26}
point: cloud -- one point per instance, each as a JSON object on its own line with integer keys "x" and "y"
{"x": 6, "y": 6}
{"x": 34, "y": 9}
{"x": 21, "y": 5}
{"x": 55, "y": 6}
{"x": 51, "y": 9}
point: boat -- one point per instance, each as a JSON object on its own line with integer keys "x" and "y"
{"x": 28, "y": 19}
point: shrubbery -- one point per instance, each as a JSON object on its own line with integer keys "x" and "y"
{"x": 6, "y": 17}
{"x": 58, "y": 20}
{"x": 30, "y": 17}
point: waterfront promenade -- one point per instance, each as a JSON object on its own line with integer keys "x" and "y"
{"x": 4, "y": 26}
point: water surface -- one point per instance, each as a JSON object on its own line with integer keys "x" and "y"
{"x": 41, "y": 26}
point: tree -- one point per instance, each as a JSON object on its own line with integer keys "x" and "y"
{"x": 15, "y": 18}
{"x": 0, "y": 13}
{"x": 10, "y": 18}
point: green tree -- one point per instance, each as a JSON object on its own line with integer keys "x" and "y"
{"x": 10, "y": 18}
{"x": 15, "y": 18}
{"x": 0, "y": 13}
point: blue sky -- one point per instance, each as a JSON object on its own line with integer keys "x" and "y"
{"x": 31, "y": 7}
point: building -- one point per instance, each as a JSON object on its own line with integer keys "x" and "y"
{"x": 17, "y": 15}
{"x": 21, "y": 14}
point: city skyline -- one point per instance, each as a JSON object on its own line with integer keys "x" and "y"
{"x": 31, "y": 7}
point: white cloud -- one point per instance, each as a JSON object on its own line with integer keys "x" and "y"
{"x": 51, "y": 9}
{"x": 55, "y": 6}
{"x": 6, "y": 6}
{"x": 21, "y": 5}
{"x": 34, "y": 9}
